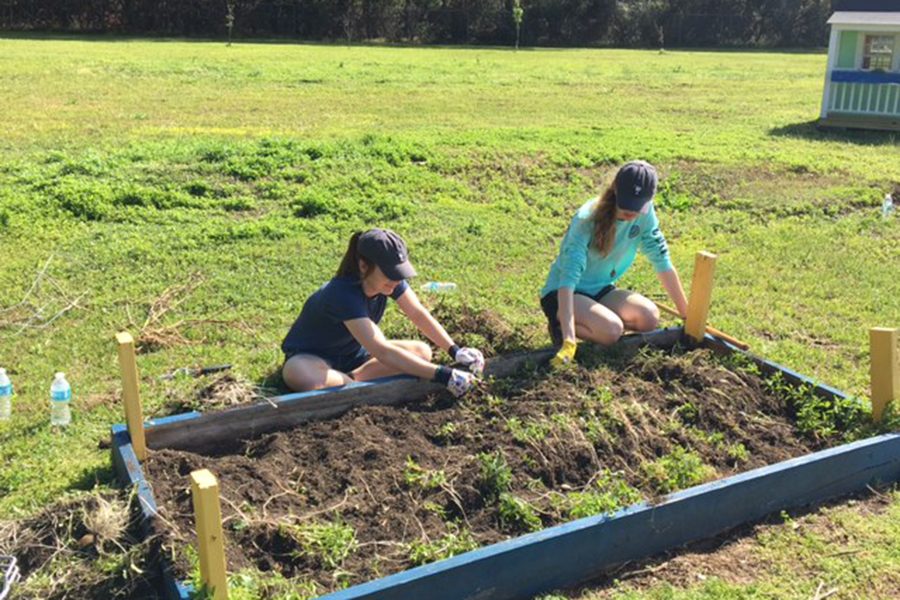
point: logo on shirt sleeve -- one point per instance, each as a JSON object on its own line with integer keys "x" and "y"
{"x": 634, "y": 231}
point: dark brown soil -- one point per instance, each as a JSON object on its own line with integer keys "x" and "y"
{"x": 615, "y": 416}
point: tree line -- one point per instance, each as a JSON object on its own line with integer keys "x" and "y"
{"x": 629, "y": 23}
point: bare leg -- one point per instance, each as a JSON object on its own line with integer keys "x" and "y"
{"x": 637, "y": 312}
{"x": 595, "y": 322}
{"x": 374, "y": 368}
{"x": 305, "y": 372}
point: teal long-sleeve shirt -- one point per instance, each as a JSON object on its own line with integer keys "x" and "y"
{"x": 579, "y": 266}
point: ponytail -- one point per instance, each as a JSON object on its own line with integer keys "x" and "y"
{"x": 604, "y": 218}
{"x": 350, "y": 263}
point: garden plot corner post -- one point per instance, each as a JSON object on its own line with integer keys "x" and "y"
{"x": 884, "y": 369}
{"x": 701, "y": 295}
{"x": 210, "y": 538}
{"x": 131, "y": 395}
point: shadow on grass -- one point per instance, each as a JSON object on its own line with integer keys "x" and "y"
{"x": 91, "y": 477}
{"x": 810, "y": 130}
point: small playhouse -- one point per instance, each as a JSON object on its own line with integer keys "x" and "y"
{"x": 862, "y": 82}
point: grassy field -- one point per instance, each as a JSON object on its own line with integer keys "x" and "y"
{"x": 129, "y": 168}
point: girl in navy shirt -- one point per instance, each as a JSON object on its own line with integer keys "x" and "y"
{"x": 336, "y": 338}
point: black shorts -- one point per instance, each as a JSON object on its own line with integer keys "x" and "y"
{"x": 343, "y": 363}
{"x": 550, "y": 305}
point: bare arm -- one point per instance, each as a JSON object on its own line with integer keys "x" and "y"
{"x": 566, "y": 314}
{"x": 372, "y": 339}
{"x": 423, "y": 320}
{"x": 672, "y": 283}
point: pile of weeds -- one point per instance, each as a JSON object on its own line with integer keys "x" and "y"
{"x": 84, "y": 546}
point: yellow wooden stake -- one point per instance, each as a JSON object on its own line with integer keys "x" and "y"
{"x": 211, "y": 541}
{"x": 134, "y": 414}
{"x": 701, "y": 295}
{"x": 884, "y": 369}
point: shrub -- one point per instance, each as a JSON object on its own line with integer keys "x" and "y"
{"x": 818, "y": 416}
{"x": 516, "y": 513}
{"x": 248, "y": 231}
{"x": 416, "y": 476}
{"x": 312, "y": 205}
{"x": 84, "y": 200}
{"x": 329, "y": 543}
{"x": 151, "y": 197}
{"x": 608, "y": 494}
{"x": 529, "y": 432}
{"x": 456, "y": 541}
{"x": 678, "y": 470}
{"x": 496, "y": 476}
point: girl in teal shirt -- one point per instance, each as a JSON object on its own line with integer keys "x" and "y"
{"x": 580, "y": 298}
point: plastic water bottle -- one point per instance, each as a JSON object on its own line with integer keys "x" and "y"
{"x": 6, "y": 392}
{"x": 887, "y": 207}
{"x": 438, "y": 287}
{"x": 60, "y": 396}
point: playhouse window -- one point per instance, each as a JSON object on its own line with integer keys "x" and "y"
{"x": 878, "y": 52}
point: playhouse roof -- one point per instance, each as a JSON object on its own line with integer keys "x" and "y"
{"x": 864, "y": 18}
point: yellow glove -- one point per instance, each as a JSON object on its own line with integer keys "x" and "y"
{"x": 566, "y": 354}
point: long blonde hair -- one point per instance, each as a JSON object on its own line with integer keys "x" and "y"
{"x": 604, "y": 219}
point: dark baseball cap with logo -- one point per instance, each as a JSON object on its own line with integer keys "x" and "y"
{"x": 635, "y": 186}
{"x": 387, "y": 250}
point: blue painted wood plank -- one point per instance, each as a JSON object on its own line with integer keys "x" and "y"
{"x": 772, "y": 367}
{"x": 130, "y": 473}
{"x": 179, "y": 418}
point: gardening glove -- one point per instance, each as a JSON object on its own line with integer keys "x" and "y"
{"x": 472, "y": 359}
{"x": 565, "y": 356}
{"x": 460, "y": 382}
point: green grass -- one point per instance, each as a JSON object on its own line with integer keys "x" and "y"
{"x": 127, "y": 167}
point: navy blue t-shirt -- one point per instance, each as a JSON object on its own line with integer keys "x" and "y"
{"x": 320, "y": 328}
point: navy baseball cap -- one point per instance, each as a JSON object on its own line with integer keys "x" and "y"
{"x": 635, "y": 186}
{"x": 387, "y": 250}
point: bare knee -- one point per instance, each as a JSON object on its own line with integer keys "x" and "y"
{"x": 609, "y": 332}
{"x": 422, "y": 350}
{"x": 646, "y": 319}
{"x": 303, "y": 377}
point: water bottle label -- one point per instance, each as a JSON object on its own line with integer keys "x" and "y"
{"x": 6, "y": 390}
{"x": 61, "y": 396}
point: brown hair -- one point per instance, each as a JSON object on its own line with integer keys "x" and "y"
{"x": 350, "y": 263}
{"x": 604, "y": 219}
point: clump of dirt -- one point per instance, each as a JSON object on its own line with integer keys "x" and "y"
{"x": 381, "y": 489}
{"x": 480, "y": 328}
{"x": 82, "y": 547}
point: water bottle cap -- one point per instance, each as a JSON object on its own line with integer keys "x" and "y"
{"x": 2, "y": 371}
{"x": 59, "y": 376}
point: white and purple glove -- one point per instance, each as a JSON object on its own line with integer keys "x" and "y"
{"x": 472, "y": 359}
{"x": 460, "y": 382}
{"x": 456, "y": 380}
